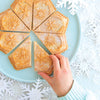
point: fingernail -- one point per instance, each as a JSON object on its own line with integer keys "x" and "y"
{"x": 39, "y": 73}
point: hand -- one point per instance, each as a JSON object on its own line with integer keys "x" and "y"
{"x": 62, "y": 80}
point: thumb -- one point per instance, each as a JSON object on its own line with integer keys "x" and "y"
{"x": 45, "y": 76}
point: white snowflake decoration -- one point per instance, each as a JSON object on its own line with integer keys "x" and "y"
{"x": 33, "y": 91}
{"x": 16, "y": 89}
{"x": 93, "y": 26}
{"x": 5, "y": 84}
{"x": 72, "y": 5}
{"x": 6, "y": 96}
{"x": 86, "y": 60}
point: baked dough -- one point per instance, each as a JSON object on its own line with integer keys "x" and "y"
{"x": 42, "y": 61}
{"x": 9, "y": 41}
{"x": 23, "y": 8}
{"x": 42, "y": 10}
{"x": 55, "y": 43}
{"x": 48, "y": 24}
{"x": 57, "y": 23}
{"x": 10, "y": 22}
{"x": 21, "y": 57}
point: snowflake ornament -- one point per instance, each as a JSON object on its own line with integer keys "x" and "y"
{"x": 92, "y": 30}
{"x": 80, "y": 69}
{"x": 5, "y": 84}
{"x": 6, "y": 96}
{"x": 33, "y": 91}
{"x": 86, "y": 59}
{"x": 73, "y": 5}
{"x": 16, "y": 89}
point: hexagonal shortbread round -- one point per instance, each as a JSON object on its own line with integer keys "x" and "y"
{"x": 48, "y": 24}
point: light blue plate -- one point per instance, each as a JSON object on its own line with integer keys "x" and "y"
{"x": 29, "y": 75}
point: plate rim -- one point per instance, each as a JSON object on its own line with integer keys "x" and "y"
{"x": 79, "y": 40}
{"x": 34, "y": 80}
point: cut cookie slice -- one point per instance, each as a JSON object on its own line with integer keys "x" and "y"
{"x": 10, "y": 22}
{"x": 42, "y": 61}
{"x": 42, "y": 10}
{"x": 23, "y": 9}
{"x": 21, "y": 57}
{"x": 55, "y": 43}
{"x": 9, "y": 40}
{"x": 57, "y": 23}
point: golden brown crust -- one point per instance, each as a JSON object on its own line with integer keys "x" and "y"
{"x": 56, "y": 23}
{"x": 50, "y": 71}
{"x": 42, "y": 61}
{"x": 42, "y": 12}
{"x": 57, "y": 15}
{"x": 52, "y": 5}
{"x": 14, "y": 3}
{"x": 55, "y": 43}
{"x": 10, "y": 22}
{"x": 49, "y": 2}
{"x": 17, "y": 1}
{"x": 4, "y": 12}
{"x": 4, "y": 51}
{"x": 67, "y": 21}
{"x": 21, "y": 57}
{"x": 1, "y": 15}
{"x": 59, "y": 52}
{"x": 9, "y": 40}
{"x": 23, "y": 9}
{"x": 13, "y": 63}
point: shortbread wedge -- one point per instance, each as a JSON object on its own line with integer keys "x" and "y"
{"x": 9, "y": 40}
{"x": 23, "y": 9}
{"x": 42, "y": 10}
{"x": 42, "y": 61}
{"x": 57, "y": 23}
{"x": 21, "y": 57}
{"x": 10, "y": 22}
{"x": 55, "y": 43}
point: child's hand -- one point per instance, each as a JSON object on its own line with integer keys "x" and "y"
{"x": 62, "y": 80}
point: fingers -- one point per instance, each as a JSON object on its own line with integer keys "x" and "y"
{"x": 67, "y": 62}
{"x": 45, "y": 76}
{"x": 62, "y": 60}
{"x": 55, "y": 62}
